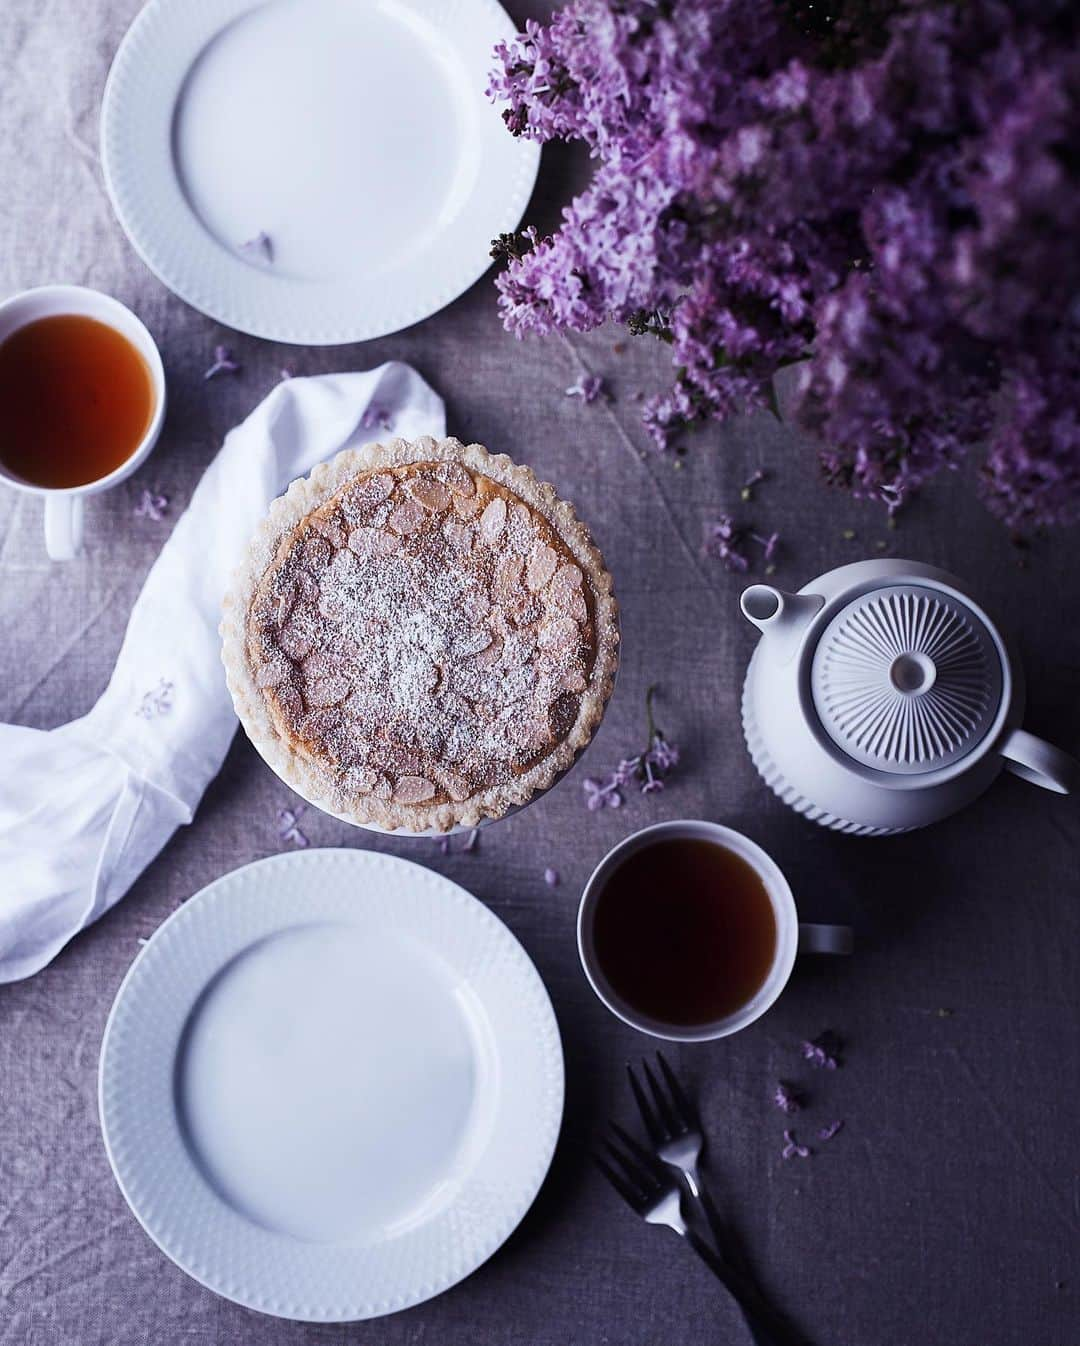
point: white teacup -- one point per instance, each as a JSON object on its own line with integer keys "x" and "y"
{"x": 64, "y": 506}
{"x": 792, "y": 936}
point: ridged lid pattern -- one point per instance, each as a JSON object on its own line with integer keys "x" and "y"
{"x": 906, "y": 679}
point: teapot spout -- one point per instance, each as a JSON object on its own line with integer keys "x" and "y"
{"x": 779, "y": 615}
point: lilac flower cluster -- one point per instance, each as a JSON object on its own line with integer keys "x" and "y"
{"x": 883, "y": 193}
{"x": 646, "y": 771}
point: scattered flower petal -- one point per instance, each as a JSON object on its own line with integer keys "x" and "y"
{"x": 793, "y": 1148}
{"x": 288, "y": 829}
{"x": 827, "y": 1132}
{"x": 223, "y": 363}
{"x": 747, "y": 492}
{"x": 158, "y": 701}
{"x": 551, "y": 877}
{"x": 375, "y": 418}
{"x": 821, "y": 1052}
{"x": 152, "y": 505}
{"x": 786, "y": 1099}
{"x": 588, "y": 387}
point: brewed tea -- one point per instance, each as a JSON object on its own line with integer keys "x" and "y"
{"x": 76, "y": 399}
{"x": 684, "y": 931}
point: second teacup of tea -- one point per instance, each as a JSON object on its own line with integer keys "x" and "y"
{"x": 82, "y": 399}
{"x": 688, "y": 931}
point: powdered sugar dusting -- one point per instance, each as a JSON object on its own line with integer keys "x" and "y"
{"x": 424, "y": 633}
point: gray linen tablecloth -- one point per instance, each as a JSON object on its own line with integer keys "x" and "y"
{"x": 947, "y": 1210}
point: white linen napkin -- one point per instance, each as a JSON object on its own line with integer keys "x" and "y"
{"x": 84, "y": 808}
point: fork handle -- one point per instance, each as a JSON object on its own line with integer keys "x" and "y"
{"x": 762, "y": 1326}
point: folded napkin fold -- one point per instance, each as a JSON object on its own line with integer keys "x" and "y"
{"x": 84, "y": 808}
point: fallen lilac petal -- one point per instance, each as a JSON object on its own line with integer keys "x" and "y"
{"x": 786, "y": 1099}
{"x": 551, "y": 877}
{"x": 816, "y": 1054}
{"x": 827, "y": 1132}
{"x": 792, "y": 1147}
{"x": 375, "y": 418}
{"x": 588, "y": 387}
{"x": 157, "y": 701}
{"x": 152, "y": 506}
{"x": 223, "y": 363}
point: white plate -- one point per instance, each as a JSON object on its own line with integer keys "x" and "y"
{"x": 355, "y": 134}
{"x": 331, "y": 1085}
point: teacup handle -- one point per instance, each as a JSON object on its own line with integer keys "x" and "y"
{"x": 63, "y": 526}
{"x": 825, "y": 938}
{"x": 1040, "y": 762}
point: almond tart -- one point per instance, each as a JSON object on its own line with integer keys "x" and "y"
{"x": 422, "y": 635}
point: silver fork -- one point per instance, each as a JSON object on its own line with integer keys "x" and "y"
{"x": 648, "y": 1188}
{"x": 675, "y": 1131}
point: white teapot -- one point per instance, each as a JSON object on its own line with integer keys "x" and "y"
{"x": 882, "y": 697}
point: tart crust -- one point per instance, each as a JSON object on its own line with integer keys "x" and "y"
{"x": 318, "y": 777}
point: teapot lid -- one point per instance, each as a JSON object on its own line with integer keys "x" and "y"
{"x": 906, "y": 678}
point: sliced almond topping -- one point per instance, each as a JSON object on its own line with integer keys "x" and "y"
{"x": 455, "y": 785}
{"x": 490, "y": 655}
{"x": 273, "y": 672}
{"x": 317, "y": 552}
{"x": 559, "y": 634}
{"x": 432, "y": 494}
{"x": 413, "y": 790}
{"x": 318, "y": 724}
{"x": 541, "y": 567}
{"x": 493, "y": 519}
{"x": 522, "y": 529}
{"x": 286, "y": 602}
{"x": 507, "y": 574}
{"x": 459, "y": 535}
{"x": 372, "y": 542}
{"x": 289, "y": 702}
{"x": 373, "y": 491}
{"x": 407, "y": 518}
{"x": 331, "y": 528}
{"x": 296, "y": 637}
{"x": 327, "y": 691}
{"x": 466, "y": 506}
{"x": 456, "y": 477}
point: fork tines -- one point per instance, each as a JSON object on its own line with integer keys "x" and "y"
{"x": 670, "y": 1114}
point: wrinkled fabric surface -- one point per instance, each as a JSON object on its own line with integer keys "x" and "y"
{"x": 948, "y": 1208}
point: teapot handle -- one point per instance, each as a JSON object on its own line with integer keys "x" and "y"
{"x": 1040, "y": 762}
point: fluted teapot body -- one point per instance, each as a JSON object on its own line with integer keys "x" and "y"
{"x": 882, "y": 697}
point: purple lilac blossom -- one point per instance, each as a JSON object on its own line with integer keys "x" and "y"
{"x": 883, "y": 194}
{"x": 646, "y": 771}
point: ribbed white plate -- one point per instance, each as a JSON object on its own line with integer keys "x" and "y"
{"x": 331, "y": 1085}
{"x": 354, "y": 134}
